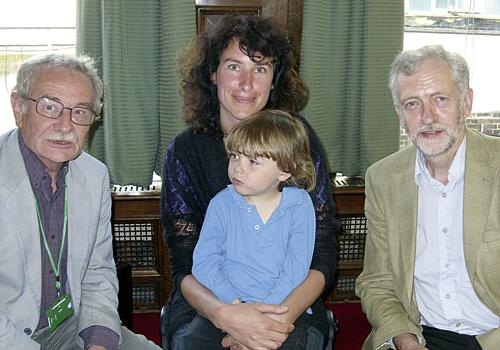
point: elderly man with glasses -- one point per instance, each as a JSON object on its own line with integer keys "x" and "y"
{"x": 58, "y": 285}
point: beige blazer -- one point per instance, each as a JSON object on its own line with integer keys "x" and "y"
{"x": 386, "y": 283}
{"x": 91, "y": 270}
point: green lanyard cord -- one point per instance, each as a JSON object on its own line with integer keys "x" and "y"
{"x": 56, "y": 270}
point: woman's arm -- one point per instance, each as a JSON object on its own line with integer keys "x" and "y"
{"x": 303, "y": 296}
{"x": 327, "y": 226}
{"x": 181, "y": 228}
{"x": 247, "y": 323}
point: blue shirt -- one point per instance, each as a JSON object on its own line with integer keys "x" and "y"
{"x": 240, "y": 257}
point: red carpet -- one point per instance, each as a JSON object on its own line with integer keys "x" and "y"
{"x": 353, "y": 326}
{"x": 148, "y": 324}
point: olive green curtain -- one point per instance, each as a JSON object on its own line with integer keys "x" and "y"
{"x": 347, "y": 49}
{"x": 136, "y": 45}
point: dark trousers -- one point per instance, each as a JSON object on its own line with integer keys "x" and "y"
{"x": 200, "y": 333}
{"x": 437, "y": 339}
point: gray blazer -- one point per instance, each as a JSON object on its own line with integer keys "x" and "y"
{"x": 386, "y": 284}
{"x": 91, "y": 269}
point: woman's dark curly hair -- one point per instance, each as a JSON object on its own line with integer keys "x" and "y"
{"x": 256, "y": 35}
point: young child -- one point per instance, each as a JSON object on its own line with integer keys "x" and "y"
{"x": 257, "y": 240}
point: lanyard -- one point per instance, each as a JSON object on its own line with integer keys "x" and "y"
{"x": 57, "y": 271}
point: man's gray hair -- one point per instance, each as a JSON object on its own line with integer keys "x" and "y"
{"x": 407, "y": 62}
{"x": 82, "y": 63}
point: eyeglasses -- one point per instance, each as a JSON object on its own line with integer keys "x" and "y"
{"x": 52, "y": 109}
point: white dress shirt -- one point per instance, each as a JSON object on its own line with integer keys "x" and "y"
{"x": 444, "y": 293}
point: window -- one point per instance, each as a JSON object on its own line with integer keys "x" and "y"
{"x": 471, "y": 28}
{"x": 483, "y": 7}
{"x": 31, "y": 27}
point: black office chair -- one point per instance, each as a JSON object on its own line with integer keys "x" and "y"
{"x": 333, "y": 328}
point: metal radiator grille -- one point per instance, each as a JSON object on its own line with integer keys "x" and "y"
{"x": 145, "y": 296}
{"x": 352, "y": 239}
{"x": 134, "y": 244}
{"x": 345, "y": 288}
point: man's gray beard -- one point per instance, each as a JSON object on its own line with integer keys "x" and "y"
{"x": 453, "y": 137}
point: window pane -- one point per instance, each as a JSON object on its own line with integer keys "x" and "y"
{"x": 28, "y": 28}
{"x": 420, "y": 5}
{"x": 442, "y": 4}
{"x": 491, "y": 7}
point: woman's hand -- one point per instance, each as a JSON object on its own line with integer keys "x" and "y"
{"x": 231, "y": 343}
{"x": 251, "y": 326}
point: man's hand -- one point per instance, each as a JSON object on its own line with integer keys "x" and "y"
{"x": 249, "y": 324}
{"x": 407, "y": 341}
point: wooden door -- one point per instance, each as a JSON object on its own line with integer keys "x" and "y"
{"x": 286, "y": 13}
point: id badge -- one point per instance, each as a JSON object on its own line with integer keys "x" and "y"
{"x": 59, "y": 311}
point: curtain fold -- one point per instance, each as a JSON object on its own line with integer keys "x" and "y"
{"x": 88, "y": 41}
{"x": 136, "y": 45}
{"x": 177, "y": 17}
{"x": 347, "y": 49}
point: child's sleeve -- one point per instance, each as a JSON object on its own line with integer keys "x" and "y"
{"x": 209, "y": 255}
